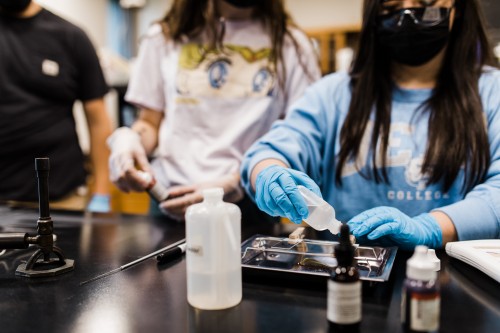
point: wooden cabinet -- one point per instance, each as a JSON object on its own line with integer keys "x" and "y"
{"x": 331, "y": 39}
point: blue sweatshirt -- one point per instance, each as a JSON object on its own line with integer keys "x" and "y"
{"x": 308, "y": 140}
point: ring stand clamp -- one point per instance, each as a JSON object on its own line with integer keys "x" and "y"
{"x": 41, "y": 263}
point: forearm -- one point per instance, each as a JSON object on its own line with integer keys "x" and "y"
{"x": 148, "y": 135}
{"x": 474, "y": 217}
{"x": 99, "y": 155}
{"x": 261, "y": 166}
{"x": 99, "y": 126}
{"x": 147, "y": 126}
{"x": 447, "y": 227}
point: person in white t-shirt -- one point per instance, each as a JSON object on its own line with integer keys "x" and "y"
{"x": 209, "y": 81}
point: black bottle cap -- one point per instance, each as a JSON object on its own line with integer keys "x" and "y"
{"x": 344, "y": 251}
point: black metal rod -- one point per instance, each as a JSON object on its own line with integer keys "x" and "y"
{"x": 14, "y": 240}
{"x": 42, "y": 167}
{"x": 135, "y": 262}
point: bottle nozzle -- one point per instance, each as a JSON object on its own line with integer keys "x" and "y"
{"x": 336, "y": 225}
{"x": 321, "y": 213}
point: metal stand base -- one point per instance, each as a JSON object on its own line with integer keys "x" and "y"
{"x": 35, "y": 267}
{"x": 67, "y": 266}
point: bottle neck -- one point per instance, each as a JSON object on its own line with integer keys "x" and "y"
{"x": 212, "y": 200}
{"x": 212, "y": 196}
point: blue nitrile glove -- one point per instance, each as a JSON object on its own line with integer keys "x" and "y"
{"x": 99, "y": 203}
{"x": 393, "y": 225}
{"x": 276, "y": 192}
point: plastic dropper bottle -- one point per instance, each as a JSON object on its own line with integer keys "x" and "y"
{"x": 420, "y": 303}
{"x": 344, "y": 288}
{"x": 321, "y": 213}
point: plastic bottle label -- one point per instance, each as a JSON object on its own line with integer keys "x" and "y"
{"x": 344, "y": 302}
{"x": 424, "y": 312}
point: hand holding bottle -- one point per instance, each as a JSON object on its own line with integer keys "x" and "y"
{"x": 321, "y": 213}
{"x": 276, "y": 192}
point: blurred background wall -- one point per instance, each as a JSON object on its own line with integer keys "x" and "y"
{"x": 115, "y": 27}
{"x": 93, "y": 15}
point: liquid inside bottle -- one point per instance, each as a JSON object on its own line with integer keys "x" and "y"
{"x": 321, "y": 213}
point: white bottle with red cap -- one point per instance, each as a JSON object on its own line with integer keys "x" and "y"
{"x": 420, "y": 303}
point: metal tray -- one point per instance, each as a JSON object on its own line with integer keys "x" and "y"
{"x": 308, "y": 257}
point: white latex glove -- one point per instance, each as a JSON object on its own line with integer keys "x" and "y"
{"x": 183, "y": 196}
{"x": 127, "y": 152}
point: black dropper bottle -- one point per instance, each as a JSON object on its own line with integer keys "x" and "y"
{"x": 344, "y": 288}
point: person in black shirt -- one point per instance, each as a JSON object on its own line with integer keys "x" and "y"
{"x": 46, "y": 64}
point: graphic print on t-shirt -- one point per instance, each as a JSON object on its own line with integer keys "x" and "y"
{"x": 406, "y": 160}
{"x": 234, "y": 72}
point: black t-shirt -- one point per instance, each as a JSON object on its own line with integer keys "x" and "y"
{"x": 46, "y": 63}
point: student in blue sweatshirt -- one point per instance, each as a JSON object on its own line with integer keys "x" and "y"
{"x": 406, "y": 146}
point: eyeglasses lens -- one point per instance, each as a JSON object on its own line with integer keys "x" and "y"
{"x": 421, "y": 16}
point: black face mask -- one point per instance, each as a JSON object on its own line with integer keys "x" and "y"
{"x": 14, "y": 6}
{"x": 412, "y": 40}
{"x": 242, "y": 3}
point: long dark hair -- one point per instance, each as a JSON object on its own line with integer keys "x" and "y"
{"x": 456, "y": 132}
{"x": 189, "y": 18}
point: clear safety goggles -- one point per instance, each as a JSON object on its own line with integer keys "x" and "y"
{"x": 422, "y": 13}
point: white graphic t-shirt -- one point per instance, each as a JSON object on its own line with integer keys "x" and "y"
{"x": 216, "y": 102}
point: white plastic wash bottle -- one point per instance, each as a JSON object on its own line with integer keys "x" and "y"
{"x": 321, "y": 213}
{"x": 213, "y": 254}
